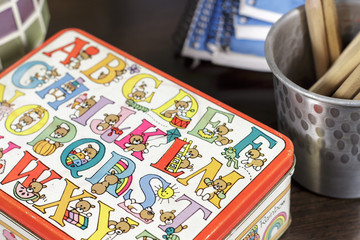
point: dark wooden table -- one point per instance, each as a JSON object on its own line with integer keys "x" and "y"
{"x": 145, "y": 29}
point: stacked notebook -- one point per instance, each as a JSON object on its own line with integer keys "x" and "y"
{"x": 230, "y": 32}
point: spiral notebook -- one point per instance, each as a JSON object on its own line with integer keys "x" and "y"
{"x": 232, "y": 33}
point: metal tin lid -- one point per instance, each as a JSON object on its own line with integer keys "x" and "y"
{"x": 100, "y": 143}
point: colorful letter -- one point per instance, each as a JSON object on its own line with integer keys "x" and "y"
{"x": 206, "y": 119}
{"x": 78, "y": 45}
{"x": 33, "y": 82}
{"x": 123, "y": 171}
{"x": 63, "y": 203}
{"x": 17, "y": 172}
{"x": 130, "y": 84}
{"x": 58, "y": 85}
{"x": 26, "y": 109}
{"x": 169, "y": 156}
{"x": 105, "y": 63}
{"x": 249, "y": 140}
{"x": 140, "y": 131}
{"x": 94, "y": 109}
{"x": 67, "y": 160}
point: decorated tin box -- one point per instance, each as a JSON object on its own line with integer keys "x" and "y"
{"x": 96, "y": 144}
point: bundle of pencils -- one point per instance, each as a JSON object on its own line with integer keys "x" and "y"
{"x": 337, "y": 70}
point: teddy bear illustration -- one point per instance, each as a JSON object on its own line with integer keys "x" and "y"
{"x": 185, "y": 159}
{"x": 146, "y": 214}
{"x": 78, "y": 157}
{"x": 118, "y": 228}
{"x": 35, "y": 188}
{"x": 136, "y": 144}
{"x": 101, "y": 187}
{"x": 253, "y": 159}
{"x": 60, "y": 131}
{"x": 168, "y": 219}
{"x": 24, "y": 120}
{"x": 109, "y": 121}
{"x": 89, "y": 152}
{"x": 221, "y": 131}
{"x": 75, "y": 62}
{"x": 138, "y": 94}
{"x": 5, "y": 108}
{"x": 37, "y": 112}
{"x": 83, "y": 107}
{"x": 45, "y": 75}
{"x": 82, "y": 207}
{"x": 5, "y": 103}
{"x": 213, "y": 188}
{"x": 180, "y": 109}
{"x": 117, "y": 78}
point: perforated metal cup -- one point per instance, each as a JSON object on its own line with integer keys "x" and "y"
{"x": 325, "y": 131}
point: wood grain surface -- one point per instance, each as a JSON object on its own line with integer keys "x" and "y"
{"x": 144, "y": 29}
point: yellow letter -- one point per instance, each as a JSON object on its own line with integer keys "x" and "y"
{"x": 105, "y": 63}
{"x": 63, "y": 203}
{"x": 129, "y": 86}
{"x": 27, "y": 109}
{"x": 180, "y": 96}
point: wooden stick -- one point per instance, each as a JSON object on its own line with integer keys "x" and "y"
{"x": 348, "y": 60}
{"x": 350, "y": 86}
{"x": 316, "y": 26}
{"x": 332, "y": 29}
{"x": 357, "y": 96}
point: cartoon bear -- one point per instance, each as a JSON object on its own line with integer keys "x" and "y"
{"x": 5, "y": 103}
{"x": 191, "y": 153}
{"x": 45, "y": 75}
{"x": 101, "y": 187}
{"x": 60, "y": 131}
{"x": 89, "y": 152}
{"x": 118, "y": 76}
{"x": 253, "y": 159}
{"x": 35, "y": 187}
{"x": 213, "y": 188}
{"x": 139, "y": 94}
{"x": 109, "y": 121}
{"x": 24, "y": 120}
{"x": 82, "y": 207}
{"x": 37, "y": 112}
{"x": 119, "y": 228}
{"x": 221, "y": 131}
{"x": 83, "y": 55}
{"x": 146, "y": 214}
{"x": 168, "y": 219}
{"x": 83, "y": 107}
{"x": 136, "y": 144}
{"x": 180, "y": 109}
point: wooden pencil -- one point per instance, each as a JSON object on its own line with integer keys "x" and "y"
{"x": 348, "y": 60}
{"x": 316, "y": 26}
{"x": 332, "y": 29}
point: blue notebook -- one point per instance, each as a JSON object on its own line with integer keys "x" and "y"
{"x": 267, "y": 10}
{"x": 233, "y": 32}
{"x": 195, "y": 44}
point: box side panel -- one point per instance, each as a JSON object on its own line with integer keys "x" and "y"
{"x": 270, "y": 219}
